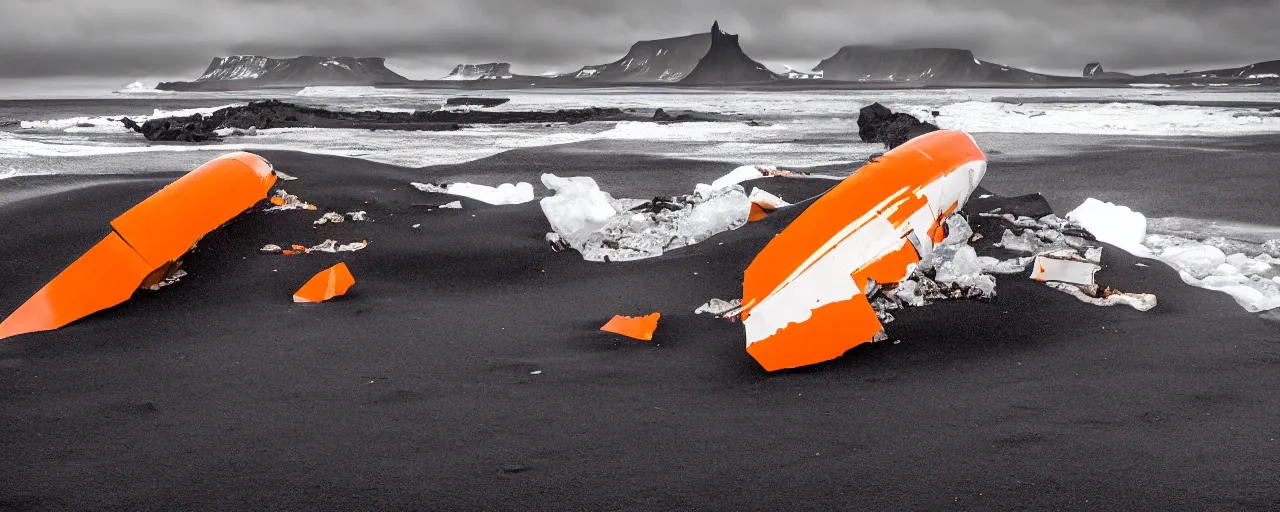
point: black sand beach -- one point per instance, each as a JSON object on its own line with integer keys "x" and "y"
{"x": 416, "y": 391}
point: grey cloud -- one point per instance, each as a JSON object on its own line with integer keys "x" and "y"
{"x": 177, "y": 39}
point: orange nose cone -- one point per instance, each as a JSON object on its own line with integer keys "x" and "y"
{"x": 165, "y": 226}
{"x": 145, "y": 239}
{"x": 639, "y": 328}
{"x": 326, "y": 285}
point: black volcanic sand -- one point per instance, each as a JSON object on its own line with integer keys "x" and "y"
{"x": 417, "y": 389}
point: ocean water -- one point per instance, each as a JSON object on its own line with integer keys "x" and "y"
{"x": 800, "y": 129}
{"x": 797, "y": 129}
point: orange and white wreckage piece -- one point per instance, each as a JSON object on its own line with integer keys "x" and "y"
{"x": 146, "y": 243}
{"x": 805, "y": 296}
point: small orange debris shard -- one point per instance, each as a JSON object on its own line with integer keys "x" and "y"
{"x": 758, "y": 212}
{"x": 640, "y": 328}
{"x": 277, "y": 200}
{"x": 326, "y": 285}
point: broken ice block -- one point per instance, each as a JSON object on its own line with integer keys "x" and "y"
{"x": 329, "y": 217}
{"x": 1138, "y": 301}
{"x": 577, "y": 209}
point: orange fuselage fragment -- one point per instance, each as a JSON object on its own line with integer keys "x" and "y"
{"x": 329, "y": 283}
{"x": 804, "y": 295}
{"x": 640, "y": 328}
{"x": 148, "y": 238}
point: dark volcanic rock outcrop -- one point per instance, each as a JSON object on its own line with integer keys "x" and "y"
{"x": 476, "y": 102}
{"x": 660, "y": 60}
{"x": 876, "y": 123}
{"x": 926, "y": 65}
{"x": 725, "y": 63}
{"x": 252, "y": 71}
{"x": 276, "y": 114}
{"x": 491, "y": 71}
{"x": 1094, "y": 70}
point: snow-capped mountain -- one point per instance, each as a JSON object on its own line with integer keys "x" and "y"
{"x": 925, "y": 65}
{"x": 1259, "y": 71}
{"x": 248, "y": 71}
{"x": 660, "y": 60}
{"x": 491, "y": 71}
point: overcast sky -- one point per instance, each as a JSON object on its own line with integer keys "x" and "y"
{"x": 172, "y": 39}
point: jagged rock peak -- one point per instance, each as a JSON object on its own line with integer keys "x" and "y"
{"x": 726, "y": 63}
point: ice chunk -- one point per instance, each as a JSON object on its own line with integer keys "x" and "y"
{"x": 325, "y": 246}
{"x": 1199, "y": 260}
{"x": 646, "y": 234}
{"x": 966, "y": 271}
{"x": 1138, "y": 301}
{"x": 606, "y": 229}
{"x": 505, "y": 193}
{"x": 1011, "y": 266}
{"x": 1205, "y": 265}
{"x": 1030, "y": 242}
{"x": 736, "y": 176}
{"x": 227, "y": 132}
{"x": 1052, "y": 221}
{"x": 1116, "y": 225}
{"x": 963, "y": 264}
{"x": 1247, "y": 265}
{"x": 286, "y": 201}
{"x": 958, "y": 231}
{"x": 720, "y": 308}
{"x": 333, "y": 247}
{"x": 1254, "y": 293}
{"x": 329, "y": 217}
{"x": 456, "y": 205}
{"x": 358, "y": 216}
{"x": 271, "y": 248}
{"x": 353, "y": 246}
{"x": 726, "y": 209}
{"x": 910, "y": 293}
{"x": 764, "y": 198}
{"x": 577, "y": 209}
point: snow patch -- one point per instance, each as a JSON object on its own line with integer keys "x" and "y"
{"x": 505, "y": 193}
{"x": 1116, "y": 225}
